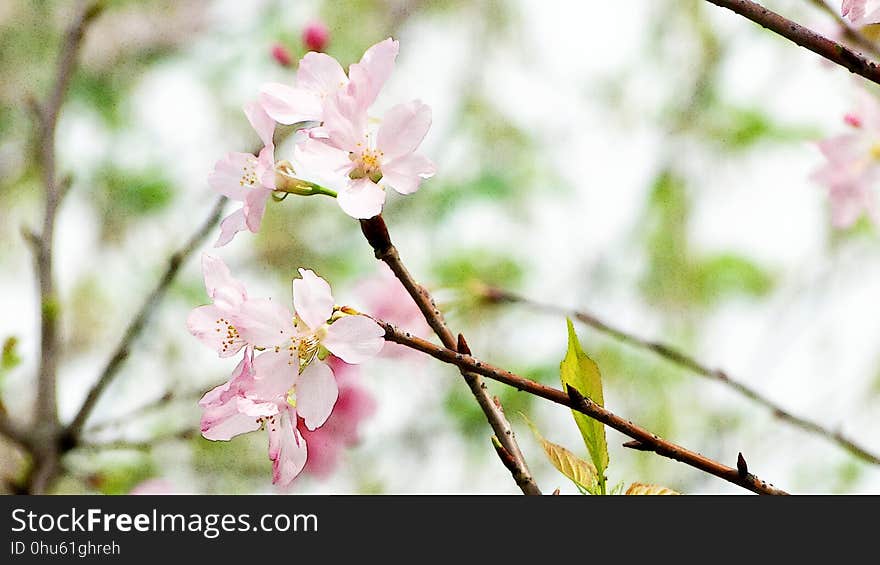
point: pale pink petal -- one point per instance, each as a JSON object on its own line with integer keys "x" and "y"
{"x": 369, "y": 75}
{"x": 316, "y": 393}
{"x": 318, "y": 161}
{"x": 262, "y": 123}
{"x": 266, "y": 167}
{"x": 226, "y": 292}
{"x": 312, "y": 299}
{"x": 288, "y": 105}
{"x": 403, "y": 129}
{"x": 362, "y": 199}
{"x": 287, "y": 449}
{"x": 231, "y": 225}
{"x": 222, "y": 423}
{"x": 354, "y": 339}
{"x": 275, "y": 373}
{"x": 320, "y": 73}
{"x": 233, "y": 176}
{"x": 406, "y": 173}
{"x": 345, "y": 123}
{"x": 211, "y": 325}
{"x": 264, "y": 323}
{"x": 255, "y": 208}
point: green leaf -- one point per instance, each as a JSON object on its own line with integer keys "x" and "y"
{"x": 582, "y": 473}
{"x": 10, "y": 358}
{"x": 580, "y": 372}
{"x": 646, "y": 489}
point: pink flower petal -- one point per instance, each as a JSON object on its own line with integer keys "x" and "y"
{"x": 275, "y": 373}
{"x": 320, "y": 73}
{"x": 262, "y": 123}
{"x": 406, "y": 173}
{"x": 255, "y": 208}
{"x": 231, "y": 225}
{"x": 362, "y": 199}
{"x": 264, "y": 323}
{"x": 312, "y": 299}
{"x": 403, "y": 129}
{"x": 316, "y": 393}
{"x": 226, "y": 292}
{"x": 288, "y": 105}
{"x": 369, "y": 75}
{"x": 354, "y": 339}
{"x": 202, "y": 322}
{"x": 230, "y": 176}
{"x": 287, "y": 449}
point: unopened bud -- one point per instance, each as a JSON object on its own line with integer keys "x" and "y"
{"x": 315, "y": 36}
{"x": 281, "y": 55}
{"x": 853, "y": 120}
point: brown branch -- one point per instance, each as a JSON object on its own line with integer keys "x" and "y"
{"x": 376, "y": 233}
{"x": 679, "y": 358}
{"x": 46, "y": 426}
{"x": 123, "y": 348}
{"x": 12, "y": 432}
{"x": 646, "y": 441}
{"x": 833, "y": 51}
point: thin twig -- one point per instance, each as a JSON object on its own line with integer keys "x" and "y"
{"x": 832, "y": 50}
{"x": 376, "y": 233}
{"x": 46, "y": 425}
{"x": 123, "y": 348}
{"x": 673, "y": 355}
{"x": 647, "y": 441}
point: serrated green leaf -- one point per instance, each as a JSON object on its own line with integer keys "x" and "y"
{"x": 582, "y": 473}
{"x": 580, "y": 372}
{"x": 646, "y": 489}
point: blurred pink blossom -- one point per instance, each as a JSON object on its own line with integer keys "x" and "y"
{"x": 852, "y": 166}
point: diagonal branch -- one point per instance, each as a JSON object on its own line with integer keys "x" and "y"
{"x": 376, "y": 233}
{"x": 644, "y": 439}
{"x": 833, "y": 51}
{"x": 123, "y": 348}
{"x": 673, "y": 355}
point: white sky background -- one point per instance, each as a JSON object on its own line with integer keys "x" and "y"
{"x": 812, "y": 346}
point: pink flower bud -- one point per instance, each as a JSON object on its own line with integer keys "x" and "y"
{"x": 315, "y": 36}
{"x": 853, "y": 120}
{"x": 281, "y": 55}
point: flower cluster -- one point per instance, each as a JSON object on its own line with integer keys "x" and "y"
{"x": 338, "y": 149}
{"x": 852, "y": 167}
{"x": 289, "y": 384}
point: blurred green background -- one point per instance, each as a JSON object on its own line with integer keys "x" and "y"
{"x": 647, "y": 161}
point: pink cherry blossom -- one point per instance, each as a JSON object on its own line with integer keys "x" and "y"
{"x": 212, "y": 323}
{"x": 315, "y": 36}
{"x": 320, "y": 77}
{"x": 368, "y": 161}
{"x": 861, "y": 12}
{"x": 852, "y": 167}
{"x": 248, "y": 402}
{"x": 247, "y": 179}
{"x": 340, "y": 431}
{"x": 385, "y": 297}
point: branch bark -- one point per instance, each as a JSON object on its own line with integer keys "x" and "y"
{"x": 645, "y": 440}
{"x": 377, "y": 235}
{"x": 673, "y": 355}
{"x": 46, "y": 426}
{"x": 833, "y": 51}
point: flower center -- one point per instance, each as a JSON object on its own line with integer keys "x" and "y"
{"x": 249, "y": 172}
{"x": 367, "y": 164}
{"x": 232, "y": 335}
